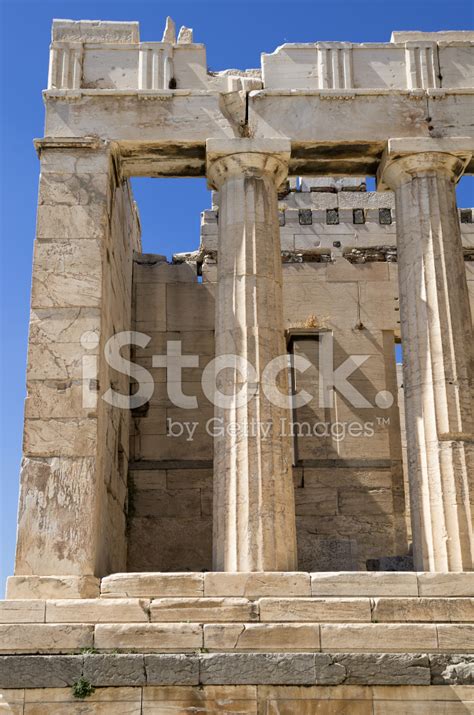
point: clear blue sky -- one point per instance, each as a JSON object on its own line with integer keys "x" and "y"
{"x": 235, "y": 34}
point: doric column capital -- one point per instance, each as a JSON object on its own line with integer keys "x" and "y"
{"x": 405, "y": 159}
{"x": 246, "y": 157}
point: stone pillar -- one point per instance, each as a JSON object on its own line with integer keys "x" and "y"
{"x": 254, "y": 513}
{"x": 71, "y": 521}
{"x": 438, "y": 348}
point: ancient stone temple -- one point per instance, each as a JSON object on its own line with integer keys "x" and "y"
{"x": 233, "y": 498}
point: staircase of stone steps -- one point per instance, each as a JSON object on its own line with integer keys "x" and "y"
{"x": 294, "y": 629}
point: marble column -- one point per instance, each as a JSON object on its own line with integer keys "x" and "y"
{"x": 254, "y": 513}
{"x": 438, "y": 347}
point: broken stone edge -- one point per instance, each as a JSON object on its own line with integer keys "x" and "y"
{"x": 128, "y": 670}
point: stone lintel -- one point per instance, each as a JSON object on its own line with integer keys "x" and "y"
{"x": 399, "y": 149}
{"x": 292, "y": 334}
{"x": 188, "y": 158}
{"x": 157, "y": 159}
{"x": 350, "y": 146}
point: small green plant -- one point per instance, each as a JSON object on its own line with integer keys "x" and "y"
{"x": 82, "y": 689}
{"x": 88, "y": 651}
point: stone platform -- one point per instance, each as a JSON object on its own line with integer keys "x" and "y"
{"x": 245, "y": 700}
{"x": 151, "y": 631}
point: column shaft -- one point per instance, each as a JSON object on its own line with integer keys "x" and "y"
{"x": 254, "y": 514}
{"x": 437, "y": 341}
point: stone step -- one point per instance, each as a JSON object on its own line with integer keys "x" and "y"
{"x": 244, "y": 585}
{"x": 256, "y": 584}
{"x": 305, "y": 669}
{"x": 222, "y": 637}
{"x": 239, "y": 610}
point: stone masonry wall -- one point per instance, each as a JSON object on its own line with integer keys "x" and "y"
{"x": 171, "y": 493}
{"x": 86, "y": 230}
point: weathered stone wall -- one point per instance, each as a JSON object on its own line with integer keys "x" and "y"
{"x": 171, "y": 493}
{"x": 72, "y": 500}
{"x": 351, "y": 488}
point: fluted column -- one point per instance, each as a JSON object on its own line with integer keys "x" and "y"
{"x": 438, "y": 346}
{"x": 254, "y": 514}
